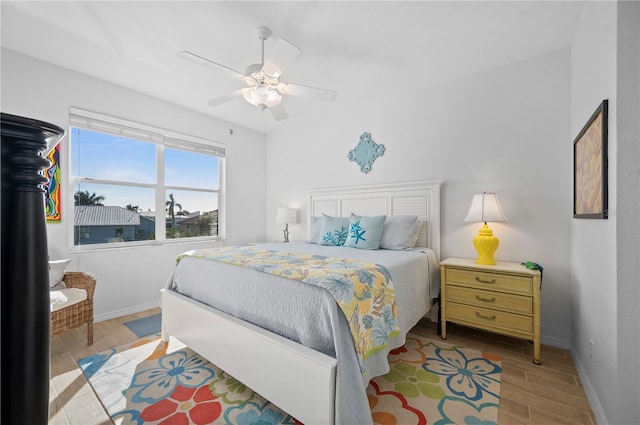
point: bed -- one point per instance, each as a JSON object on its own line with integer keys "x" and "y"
{"x": 305, "y": 363}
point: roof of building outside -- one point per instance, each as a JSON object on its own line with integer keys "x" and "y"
{"x": 103, "y": 215}
{"x": 193, "y": 219}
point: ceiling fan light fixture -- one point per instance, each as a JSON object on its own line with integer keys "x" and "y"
{"x": 262, "y": 95}
{"x": 272, "y": 98}
{"x": 252, "y": 96}
{"x": 262, "y": 89}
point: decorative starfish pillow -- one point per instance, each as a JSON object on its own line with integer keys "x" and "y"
{"x": 365, "y": 232}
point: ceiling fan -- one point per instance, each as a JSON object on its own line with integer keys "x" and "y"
{"x": 264, "y": 86}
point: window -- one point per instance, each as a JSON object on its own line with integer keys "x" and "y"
{"x": 133, "y": 183}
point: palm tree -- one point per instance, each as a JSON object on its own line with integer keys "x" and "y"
{"x": 204, "y": 223}
{"x": 84, "y": 198}
{"x": 133, "y": 208}
{"x": 171, "y": 205}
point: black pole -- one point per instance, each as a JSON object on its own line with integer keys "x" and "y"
{"x": 25, "y": 316}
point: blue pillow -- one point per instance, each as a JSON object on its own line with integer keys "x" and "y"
{"x": 365, "y": 232}
{"x": 333, "y": 231}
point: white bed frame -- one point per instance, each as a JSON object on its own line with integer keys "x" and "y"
{"x": 299, "y": 380}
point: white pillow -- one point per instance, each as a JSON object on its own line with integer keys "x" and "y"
{"x": 416, "y": 232}
{"x": 400, "y": 232}
{"x": 66, "y": 297}
{"x": 314, "y": 229}
{"x": 56, "y": 271}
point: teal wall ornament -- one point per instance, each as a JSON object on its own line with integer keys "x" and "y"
{"x": 365, "y": 152}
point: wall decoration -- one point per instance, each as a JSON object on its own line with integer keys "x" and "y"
{"x": 590, "y": 167}
{"x": 365, "y": 152}
{"x": 52, "y": 188}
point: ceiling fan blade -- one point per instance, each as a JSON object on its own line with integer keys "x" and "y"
{"x": 227, "y": 97}
{"x": 306, "y": 91}
{"x": 282, "y": 54}
{"x": 206, "y": 62}
{"x": 278, "y": 112}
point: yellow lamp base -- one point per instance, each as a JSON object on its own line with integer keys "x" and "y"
{"x": 486, "y": 244}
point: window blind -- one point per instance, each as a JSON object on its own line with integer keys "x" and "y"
{"x": 94, "y": 121}
{"x": 171, "y": 142}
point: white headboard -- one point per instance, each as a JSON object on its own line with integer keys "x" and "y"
{"x": 417, "y": 198}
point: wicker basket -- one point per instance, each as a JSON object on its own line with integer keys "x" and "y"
{"x": 77, "y": 314}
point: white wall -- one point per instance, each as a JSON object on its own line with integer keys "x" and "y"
{"x": 628, "y": 213}
{"x": 593, "y": 242}
{"x": 628, "y": 233}
{"x": 130, "y": 279}
{"x": 506, "y": 130}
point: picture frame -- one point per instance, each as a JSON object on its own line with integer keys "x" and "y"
{"x": 52, "y": 198}
{"x": 590, "y": 196}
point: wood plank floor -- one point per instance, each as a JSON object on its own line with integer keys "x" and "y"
{"x": 548, "y": 394}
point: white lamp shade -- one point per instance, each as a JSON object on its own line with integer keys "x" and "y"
{"x": 485, "y": 207}
{"x": 286, "y": 216}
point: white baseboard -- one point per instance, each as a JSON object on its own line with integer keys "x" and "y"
{"x": 555, "y": 342}
{"x": 125, "y": 311}
{"x": 598, "y": 412}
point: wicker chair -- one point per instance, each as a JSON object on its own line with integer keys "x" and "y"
{"x": 77, "y": 314}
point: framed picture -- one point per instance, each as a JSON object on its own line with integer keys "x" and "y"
{"x": 590, "y": 167}
{"x": 52, "y": 187}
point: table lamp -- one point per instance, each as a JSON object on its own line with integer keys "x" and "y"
{"x": 485, "y": 207}
{"x": 286, "y": 216}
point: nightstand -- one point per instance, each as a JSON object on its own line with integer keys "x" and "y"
{"x": 503, "y": 298}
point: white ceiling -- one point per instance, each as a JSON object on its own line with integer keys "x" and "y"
{"x": 364, "y": 50}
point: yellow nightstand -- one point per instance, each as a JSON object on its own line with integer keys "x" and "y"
{"x": 503, "y": 298}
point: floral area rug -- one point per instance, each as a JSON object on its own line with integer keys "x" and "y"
{"x": 152, "y": 382}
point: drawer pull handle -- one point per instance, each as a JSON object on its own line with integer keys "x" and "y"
{"x": 485, "y": 281}
{"x": 487, "y": 300}
{"x": 492, "y": 317}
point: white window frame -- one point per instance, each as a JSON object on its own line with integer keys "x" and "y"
{"x": 162, "y": 138}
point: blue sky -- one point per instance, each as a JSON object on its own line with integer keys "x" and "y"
{"x": 104, "y": 156}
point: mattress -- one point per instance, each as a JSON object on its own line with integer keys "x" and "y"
{"x": 309, "y": 315}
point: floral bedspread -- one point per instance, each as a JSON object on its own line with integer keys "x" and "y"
{"x": 363, "y": 290}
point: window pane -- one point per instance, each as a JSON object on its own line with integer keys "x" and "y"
{"x": 109, "y": 157}
{"x": 114, "y": 166}
{"x": 109, "y": 213}
{"x": 191, "y": 169}
{"x": 191, "y": 214}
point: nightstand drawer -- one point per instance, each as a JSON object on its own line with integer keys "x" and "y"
{"x": 489, "y": 318}
{"x": 502, "y": 298}
{"x": 494, "y": 300}
{"x": 490, "y": 281}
